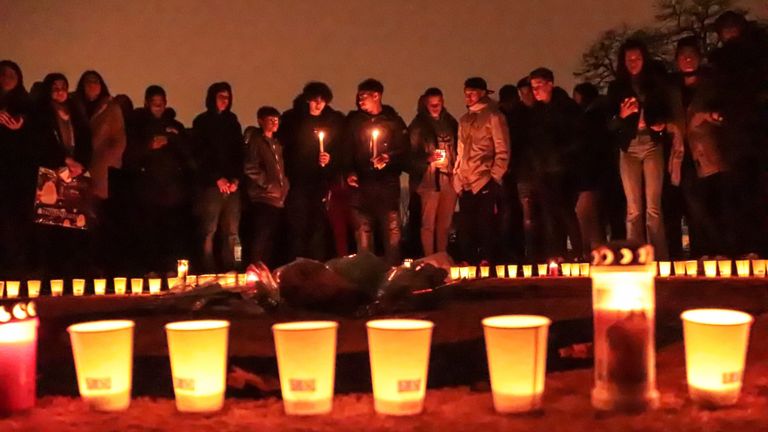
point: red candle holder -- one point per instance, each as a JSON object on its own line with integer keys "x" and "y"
{"x": 18, "y": 356}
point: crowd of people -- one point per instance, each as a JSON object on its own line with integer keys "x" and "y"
{"x": 536, "y": 174}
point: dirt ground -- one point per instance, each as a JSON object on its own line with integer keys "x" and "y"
{"x": 566, "y": 408}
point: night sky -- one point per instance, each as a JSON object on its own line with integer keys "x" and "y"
{"x": 269, "y": 49}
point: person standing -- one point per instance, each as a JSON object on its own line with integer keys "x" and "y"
{"x": 266, "y": 185}
{"x": 433, "y": 153}
{"x": 481, "y": 162}
{"x": 376, "y": 151}
{"x": 219, "y": 141}
{"x": 310, "y": 166}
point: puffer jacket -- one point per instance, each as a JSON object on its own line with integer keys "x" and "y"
{"x": 483, "y": 148}
{"x": 265, "y": 179}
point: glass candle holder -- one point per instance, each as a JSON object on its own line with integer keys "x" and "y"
{"x": 716, "y": 343}
{"x": 691, "y": 268}
{"x": 33, "y": 288}
{"x": 99, "y": 286}
{"x": 399, "y": 354}
{"x": 742, "y": 268}
{"x": 665, "y": 268}
{"x": 18, "y": 358}
{"x": 528, "y": 270}
{"x": 724, "y": 266}
{"x": 758, "y": 267}
{"x": 565, "y": 268}
{"x": 512, "y": 270}
{"x": 710, "y": 268}
{"x": 137, "y": 286}
{"x": 155, "y": 284}
{"x": 57, "y": 287}
{"x": 623, "y": 298}
{"x": 198, "y": 353}
{"x": 78, "y": 287}
{"x": 306, "y": 382}
{"x": 516, "y": 346}
{"x": 500, "y": 270}
{"x": 103, "y": 353}
{"x": 679, "y": 268}
{"x": 485, "y": 272}
{"x": 12, "y": 289}
{"x": 119, "y": 285}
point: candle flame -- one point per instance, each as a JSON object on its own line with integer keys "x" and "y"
{"x": 321, "y": 135}
{"x": 375, "y": 133}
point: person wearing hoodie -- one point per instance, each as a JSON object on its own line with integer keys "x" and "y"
{"x": 161, "y": 170}
{"x": 555, "y": 142}
{"x": 266, "y": 185}
{"x": 309, "y": 168}
{"x": 481, "y": 162}
{"x": 219, "y": 156}
{"x": 17, "y": 170}
{"x": 376, "y": 151}
{"x": 433, "y": 152}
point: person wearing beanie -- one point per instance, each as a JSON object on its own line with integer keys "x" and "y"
{"x": 376, "y": 153}
{"x": 481, "y": 162}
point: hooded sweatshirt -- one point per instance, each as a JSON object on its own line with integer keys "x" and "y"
{"x": 219, "y": 140}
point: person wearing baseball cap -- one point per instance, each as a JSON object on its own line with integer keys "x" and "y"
{"x": 482, "y": 160}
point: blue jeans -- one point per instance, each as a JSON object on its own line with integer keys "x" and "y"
{"x": 218, "y": 212}
{"x": 642, "y": 174}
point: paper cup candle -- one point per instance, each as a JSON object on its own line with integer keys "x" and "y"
{"x": 528, "y": 270}
{"x": 103, "y": 352}
{"x": 399, "y": 354}
{"x": 724, "y": 266}
{"x": 584, "y": 268}
{"x": 512, "y": 270}
{"x": 137, "y": 285}
{"x": 99, "y": 286}
{"x": 742, "y": 268}
{"x": 758, "y": 267}
{"x": 155, "y": 284}
{"x": 500, "y": 271}
{"x": 715, "y": 352}
{"x": 33, "y": 288}
{"x": 575, "y": 270}
{"x": 472, "y": 272}
{"x": 542, "y": 270}
{"x": 516, "y": 346}
{"x": 455, "y": 273}
{"x": 306, "y": 382}
{"x": 78, "y": 287}
{"x": 710, "y": 269}
{"x": 623, "y": 300}
{"x": 12, "y": 289}
{"x": 665, "y": 268}
{"x": 18, "y": 357}
{"x": 566, "y": 269}
{"x": 120, "y": 285}
{"x": 679, "y": 268}
{"x": 198, "y": 353}
{"x": 691, "y": 268}
{"x": 57, "y": 287}
{"x": 485, "y": 271}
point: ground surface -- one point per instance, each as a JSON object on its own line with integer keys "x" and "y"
{"x": 566, "y": 408}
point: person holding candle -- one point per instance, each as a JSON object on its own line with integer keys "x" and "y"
{"x": 218, "y": 136}
{"x": 265, "y": 183}
{"x": 482, "y": 161}
{"x": 376, "y": 150}
{"x": 310, "y": 134}
{"x": 433, "y": 148}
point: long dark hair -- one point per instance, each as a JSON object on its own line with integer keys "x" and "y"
{"x": 80, "y": 91}
{"x": 15, "y": 101}
{"x": 622, "y": 73}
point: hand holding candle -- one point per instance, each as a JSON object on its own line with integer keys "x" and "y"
{"x": 324, "y": 157}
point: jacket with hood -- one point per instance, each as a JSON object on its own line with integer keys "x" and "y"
{"x": 378, "y": 187}
{"x": 428, "y": 134}
{"x": 301, "y": 146}
{"x": 52, "y": 146}
{"x": 219, "y": 140}
{"x": 555, "y": 134}
{"x": 265, "y": 180}
{"x": 483, "y": 149}
{"x": 161, "y": 177}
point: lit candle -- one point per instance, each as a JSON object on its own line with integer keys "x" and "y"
{"x": 623, "y": 302}
{"x": 742, "y": 268}
{"x": 182, "y": 268}
{"x": 191, "y": 280}
{"x": 33, "y": 288}
{"x": 575, "y": 270}
{"x": 155, "y": 284}
{"x": 542, "y": 269}
{"x": 512, "y": 270}
{"x": 137, "y": 285}
{"x": 12, "y": 288}
{"x": 710, "y": 268}
{"x": 78, "y": 287}
{"x": 464, "y": 272}
{"x": 516, "y": 346}
{"x": 553, "y": 268}
{"x": 306, "y": 382}
{"x": 321, "y": 137}
{"x": 485, "y": 271}
{"x": 57, "y": 287}
{"x": 103, "y": 353}
{"x": 758, "y": 267}
{"x": 584, "y": 269}
{"x": 679, "y": 268}
{"x": 725, "y": 268}
{"x": 665, "y": 268}
{"x": 242, "y": 279}
{"x": 99, "y": 286}
{"x": 566, "y": 269}
{"x": 716, "y": 343}
{"x": 18, "y": 357}
{"x": 2, "y": 288}
{"x": 198, "y": 354}
{"x": 399, "y": 354}
{"x": 527, "y": 270}
{"x": 472, "y": 272}
{"x": 172, "y": 282}
{"x": 374, "y": 143}
{"x": 691, "y": 268}
{"x": 500, "y": 271}
{"x": 120, "y": 283}
{"x": 455, "y": 273}
{"x": 408, "y": 262}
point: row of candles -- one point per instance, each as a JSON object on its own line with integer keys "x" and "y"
{"x": 516, "y": 348}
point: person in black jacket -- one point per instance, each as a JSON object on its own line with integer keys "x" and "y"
{"x": 309, "y": 168}
{"x": 219, "y": 141}
{"x": 555, "y": 141}
{"x": 376, "y": 144}
{"x": 161, "y": 169}
{"x": 266, "y": 185}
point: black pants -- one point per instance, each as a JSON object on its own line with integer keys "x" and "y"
{"x": 388, "y": 222}
{"x": 307, "y": 223}
{"x": 265, "y": 221}
{"x": 511, "y": 246}
{"x": 531, "y": 221}
{"x": 476, "y": 226}
{"x": 164, "y": 237}
{"x": 558, "y": 204}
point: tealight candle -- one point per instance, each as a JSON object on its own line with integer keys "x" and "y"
{"x": 57, "y": 287}
{"x": 512, "y": 270}
{"x": 137, "y": 285}
{"x": 691, "y": 268}
{"x": 33, "y": 288}
{"x": 500, "y": 271}
{"x": 679, "y": 268}
{"x": 566, "y": 269}
{"x": 725, "y": 268}
{"x": 528, "y": 270}
{"x": 742, "y": 268}
{"x": 758, "y": 267}
{"x": 710, "y": 268}
{"x": 78, "y": 287}
{"x": 665, "y": 268}
{"x": 12, "y": 288}
{"x": 715, "y": 352}
{"x": 155, "y": 284}
{"x": 120, "y": 283}
{"x": 485, "y": 271}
